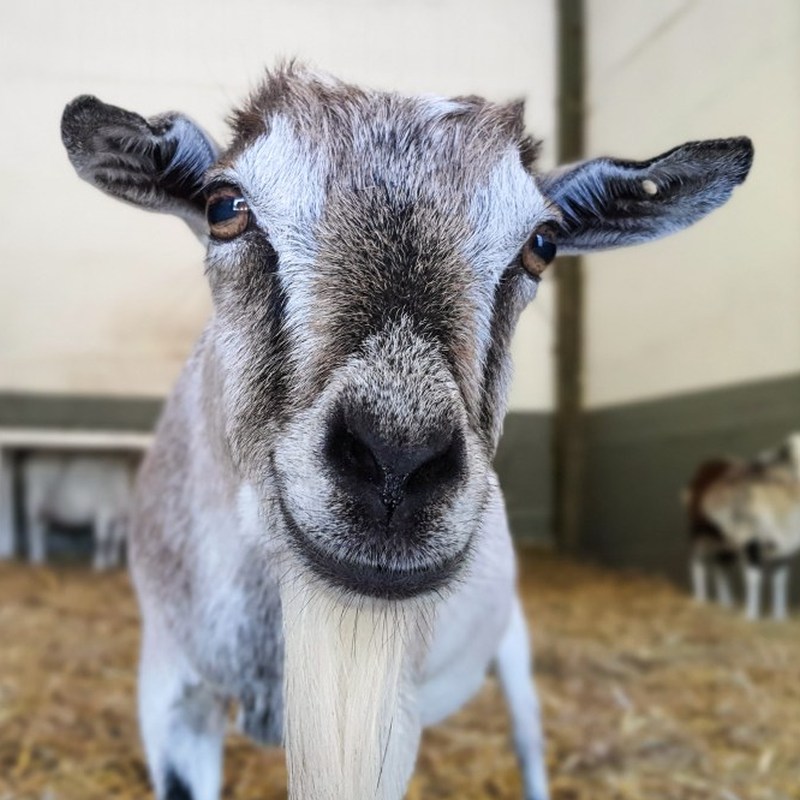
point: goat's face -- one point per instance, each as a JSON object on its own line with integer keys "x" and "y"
{"x": 364, "y": 307}
{"x": 369, "y": 256}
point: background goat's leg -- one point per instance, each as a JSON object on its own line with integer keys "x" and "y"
{"x": 722, "y": 585}
{"x": 182, "y": 722}
{"x": 37, "y": 540}
{"x": 514, "y": 665}
{"x": 119, "y": 534}
{"x": 752, "y": 583}
{"x": 103, "y": 533}
{"x": 780, "y": 591}
{"x": 699, "y": 577}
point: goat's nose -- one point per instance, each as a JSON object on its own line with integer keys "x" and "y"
{"x": 386, "y": 476}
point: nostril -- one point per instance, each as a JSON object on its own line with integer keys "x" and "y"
{"x": 442, "y": 463}
{"x": 360, "y": 457}
{"x": 353, "y": 455}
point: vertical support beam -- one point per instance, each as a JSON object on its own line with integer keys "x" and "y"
{"x": 569, "y": 448}
{"x": 7, "y": 516}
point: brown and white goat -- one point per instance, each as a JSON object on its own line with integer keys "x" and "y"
{"x": 756, "y": 507}
{"x": 319, "y": 534}
{"x": 708, "y": 543}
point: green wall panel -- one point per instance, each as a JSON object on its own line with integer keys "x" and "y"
{"x": 22, "y": 410}
{"x": 524, "y": 464}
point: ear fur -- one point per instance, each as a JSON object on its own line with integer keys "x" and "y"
{"x": 156, "y": 164}
{"x": 609, "y": 203}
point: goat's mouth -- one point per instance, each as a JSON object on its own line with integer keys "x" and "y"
{"x": 380, "y": 581}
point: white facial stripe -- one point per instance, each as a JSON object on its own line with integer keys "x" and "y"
{"x": 284, "y": 181}
{"x": 283, "y": 178}
{"x": 504, "y": 211}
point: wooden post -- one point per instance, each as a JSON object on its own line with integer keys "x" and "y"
{"x": 569, "y": 452}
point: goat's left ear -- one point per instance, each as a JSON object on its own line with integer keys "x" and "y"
{"x": 157, "y": 164}
{"x": 609, "y": 203}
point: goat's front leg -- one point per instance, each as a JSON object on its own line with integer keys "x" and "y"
{"x": 514, "y": 670}
{"x": 182, "y": 722}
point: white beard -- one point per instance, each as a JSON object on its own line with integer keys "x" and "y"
{"x": 351, "y": 719}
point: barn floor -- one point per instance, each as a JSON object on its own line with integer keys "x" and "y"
{"x": 645, "y": 697}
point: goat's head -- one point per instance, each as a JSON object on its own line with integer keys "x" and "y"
{"x": 786, "y": 456}
{"x": 369, "y": 255}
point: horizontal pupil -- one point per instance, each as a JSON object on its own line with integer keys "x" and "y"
{"x": 543, "y": 248}
{"x": 225, "y": 209}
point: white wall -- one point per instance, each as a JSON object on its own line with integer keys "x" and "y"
{"x": 720, "y": 303}
{"x": 99, "y": 298}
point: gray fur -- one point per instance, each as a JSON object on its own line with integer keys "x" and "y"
{"x": 380, "y": 274}
{"x": 154, "y": 164}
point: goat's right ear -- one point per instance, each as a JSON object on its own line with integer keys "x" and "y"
{"x": 157, "y": 164}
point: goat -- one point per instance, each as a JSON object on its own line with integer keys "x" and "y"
{"x": 318, "y": 532}
{"x": 757, "y": 507}
{"x": 69, "y": 489}
{"x": 707, "y": 541}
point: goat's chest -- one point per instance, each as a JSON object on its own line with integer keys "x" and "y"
{"x": 236, "y": 641}
{"x": 469, "y": 626}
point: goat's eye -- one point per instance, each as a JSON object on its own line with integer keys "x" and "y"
{"x": 539, "y": 251}
{"x": 227, "y": 213}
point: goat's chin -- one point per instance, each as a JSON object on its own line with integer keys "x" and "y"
{"x": 399, "y": 577}
{"x": 383, "y": 582}
{"x": 351, "y": 722}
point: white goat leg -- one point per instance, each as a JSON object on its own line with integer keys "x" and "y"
{"x": 514, "y": 670}
{"x": 722, "y": 587}
{"x": 182, "y": 722}
{"x": 780, "y": 591}
{"x": 119, "y": 536}
{"x": 752, "y": 583}
{"x": 103, "y": 534}
{"x": 37, "y": 541}
{"x": 109, "y": 541}
{"x": 699, "y": 579}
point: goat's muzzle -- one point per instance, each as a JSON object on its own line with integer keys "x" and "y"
{"x": 389, "y": 530}
{"x": 390, "y": 479}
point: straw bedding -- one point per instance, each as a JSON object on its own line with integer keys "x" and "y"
{"x": 644, "y": 696}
